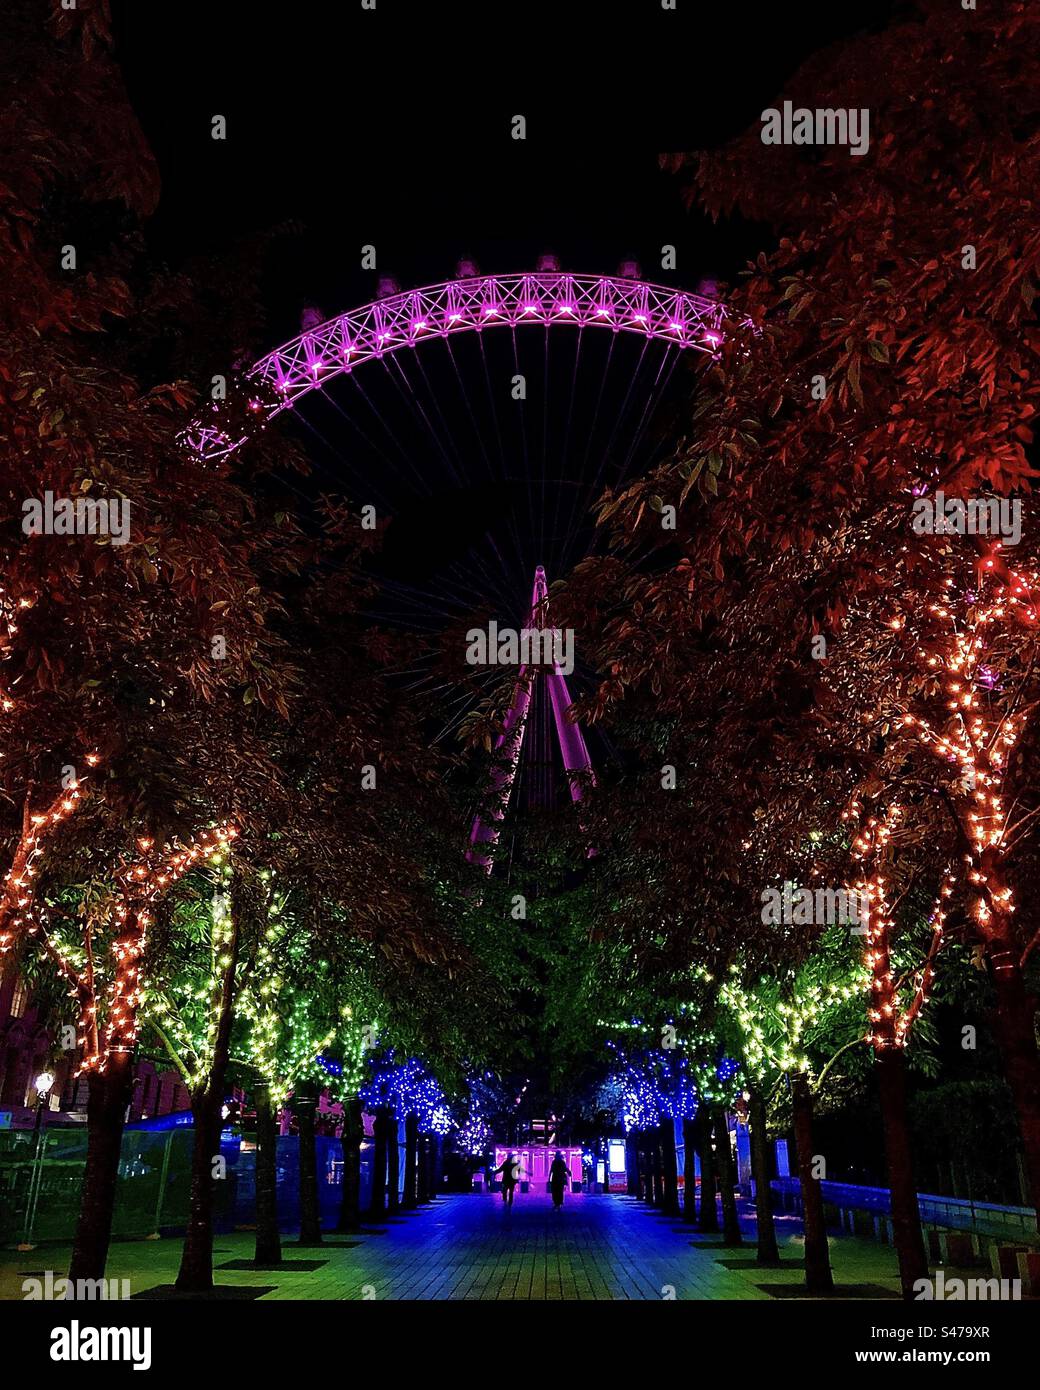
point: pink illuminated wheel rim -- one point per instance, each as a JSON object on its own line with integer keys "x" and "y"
{"x": 403, "y": 320}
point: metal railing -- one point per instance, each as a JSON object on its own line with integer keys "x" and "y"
{"x": 41, "y": 1177}
{"x": 949, "y": 1213}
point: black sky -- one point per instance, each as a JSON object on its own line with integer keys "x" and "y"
{"x": 392, "y": 127}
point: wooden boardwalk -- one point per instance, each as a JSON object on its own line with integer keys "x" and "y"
{"x": 472, "y": 1247}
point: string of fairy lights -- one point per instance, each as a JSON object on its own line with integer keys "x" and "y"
{"x": 871, "y": 842}
{"x": 978, "y": 744}
{"x": 283, "y": 1049}
{"x": 408, "y": 1088}
{"x": 980, "y": 747}
{"x": 19, "y": 894}
{"x": 286, "y": 1043}
{"x": 138, "y": 888}
{"x": 193, "y": 1024}
{"x": 9, "y": 608}
{"x": 284, "y": 1037}
{"x": 142, "y": 885}
{"x": 139, "y": 885}
{"x": 669, "y": 1081}
{"x": 774, "y": 1018}
{"x": 344, "y": 1074}
{"x": 475, "y": 1133}
{"x": 889, "y": 1017}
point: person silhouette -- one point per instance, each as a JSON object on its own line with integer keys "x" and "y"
{"x": 510, "y": 1171}
{"x": 558, "y": 1180}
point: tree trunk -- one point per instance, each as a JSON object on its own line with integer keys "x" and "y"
{"x": 906, "y": 1218}
{"x": 653, "y": 1141}
{"x": 424, "y": 1168}
{"x": 709, "y": 1215}
{"x": 818, "y": 1276}
{"x": 434, "y": 1167}
{"x": 393, "y": 1165}
{"x": 765, "y": 1227}
{"x": 689, "y": 1211}
{"x": 727, "y": 1180}
{"x": 350, "y": 1192}
{"x": 669, "y": 1167}
{"x": 412, "y": 1141}
{"x": 108, "y": 1097}
{"x": 268, "y": 1241}
{"x": 1016, "y": 1037}
{"x": 377, "y": 1206}
{"x": 632, "y": 1163}
{"x": 196, "y": 1270}
{"x": 305, "y": 1103}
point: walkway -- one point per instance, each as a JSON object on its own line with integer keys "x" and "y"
{"x": 471, "y": 1247}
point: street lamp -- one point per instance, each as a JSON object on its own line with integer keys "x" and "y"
{"x": 43, "y": 1085}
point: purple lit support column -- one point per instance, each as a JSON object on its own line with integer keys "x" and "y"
{"x": 509, "y": 743}
{"x": 572, "y": 742}
{"x": 575, "y": 754}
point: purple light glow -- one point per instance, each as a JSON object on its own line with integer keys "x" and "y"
{"x": 575, "y": 754}
{"x": 536, "y": 1160}
{"x": 688, "y": 321}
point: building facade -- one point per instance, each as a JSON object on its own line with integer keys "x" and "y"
{"x": 30, "y": 1046}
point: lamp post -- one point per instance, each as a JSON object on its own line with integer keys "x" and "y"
{"x": 43, "y": 1084}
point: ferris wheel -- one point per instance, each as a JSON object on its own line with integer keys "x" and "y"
{"x": 485, "y": 414}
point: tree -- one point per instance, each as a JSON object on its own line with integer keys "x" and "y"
{"x": 878, "y": 356}
{"x": 782, "y": 1020}
{"x": 125, "y": 636}
{"x": 402, "y": 1092}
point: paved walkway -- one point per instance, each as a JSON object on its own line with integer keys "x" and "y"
{"x": 472, "y": 1247}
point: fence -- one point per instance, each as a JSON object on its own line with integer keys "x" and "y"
{"x": 41, "y": 1176}
{"x": 947, "y": 1213}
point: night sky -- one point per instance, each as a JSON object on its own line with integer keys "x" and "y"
{"x": 392, "y": 127}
